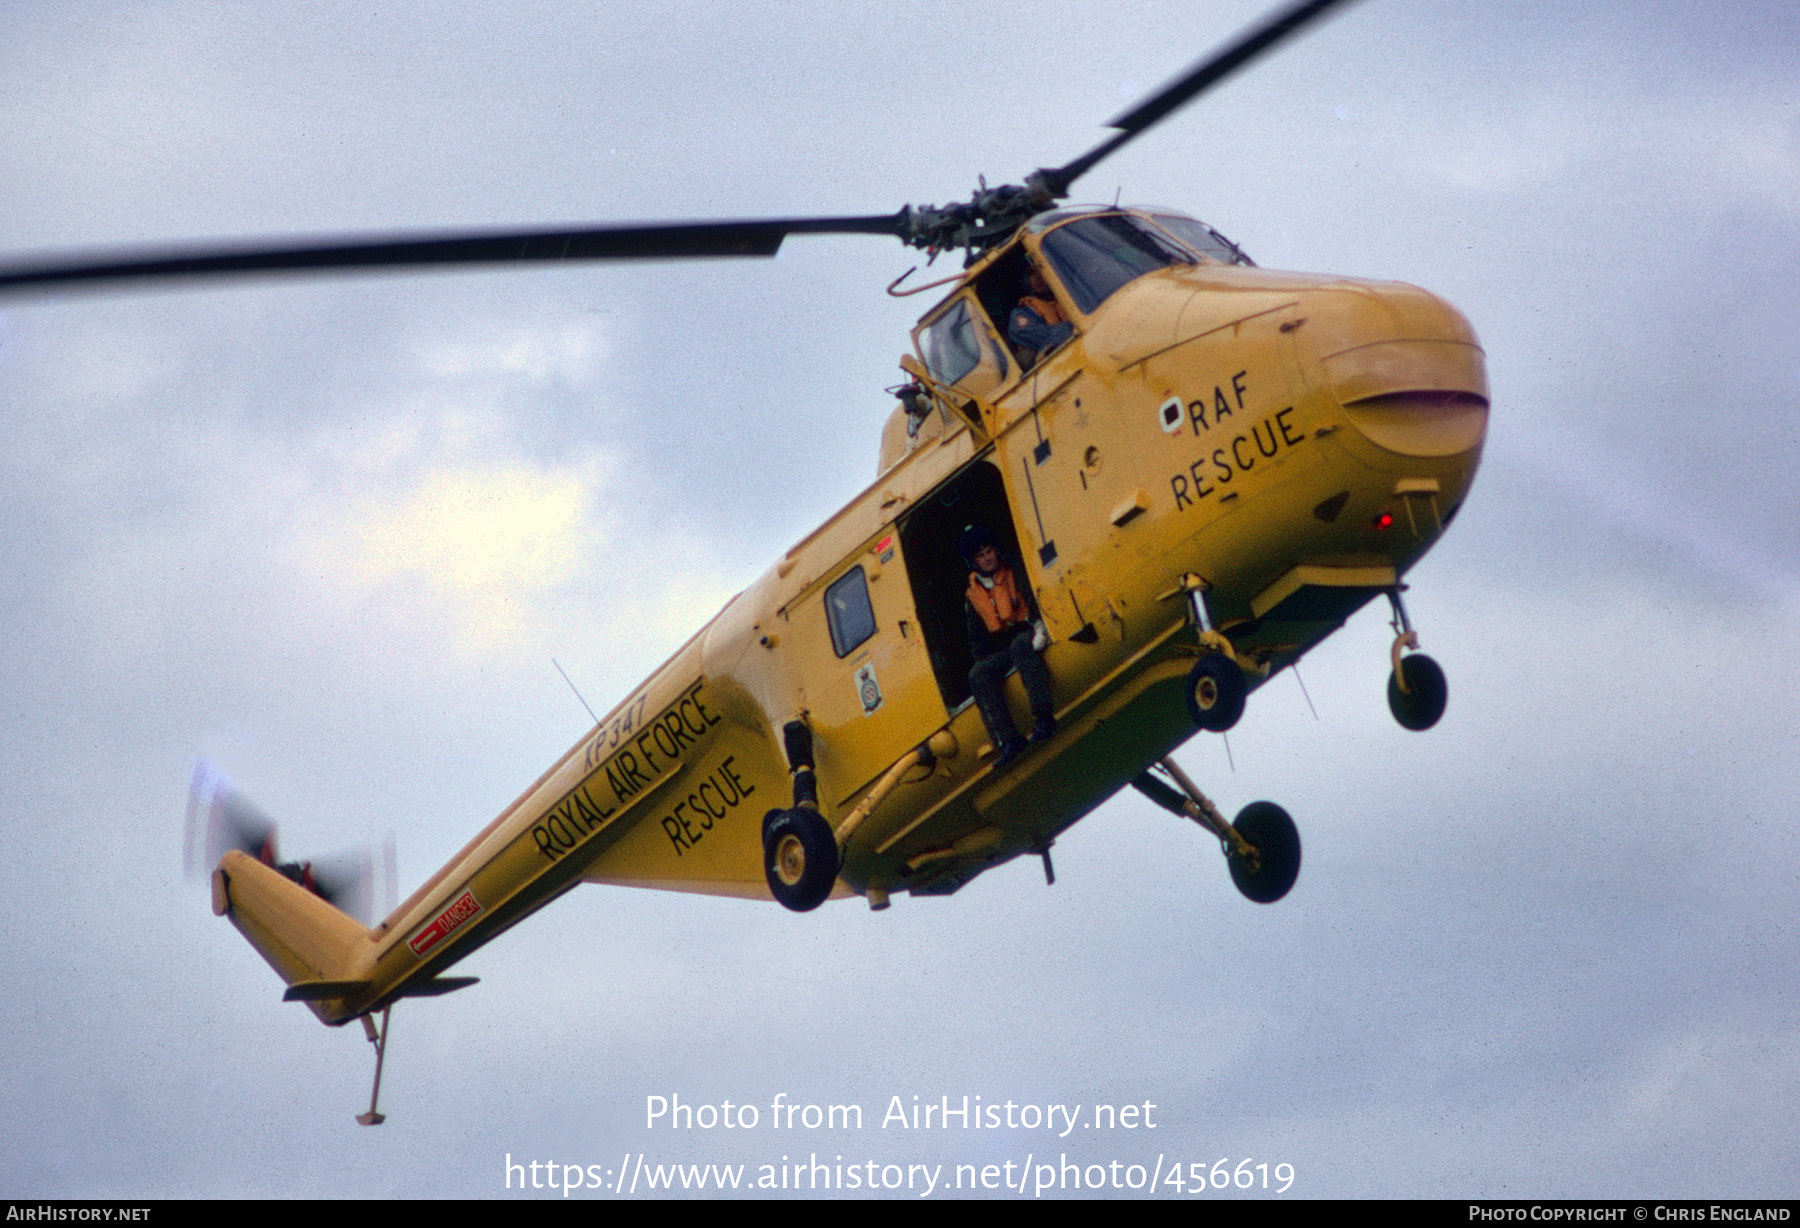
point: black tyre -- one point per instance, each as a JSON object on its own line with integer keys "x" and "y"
{"x": 1215, "y": 692}
{"x": 800, "y": 858}
{"x": 1271, "y": 873}
{"x": 1420, "y": 706}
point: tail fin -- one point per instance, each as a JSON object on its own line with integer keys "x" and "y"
{"x": 316, "y": 949}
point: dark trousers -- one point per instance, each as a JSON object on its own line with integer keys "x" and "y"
{"x": 988, "y": 681}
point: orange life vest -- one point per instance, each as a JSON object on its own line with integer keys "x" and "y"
{"x": 1046, "y": 308}
{"x": 1000, "y": 606}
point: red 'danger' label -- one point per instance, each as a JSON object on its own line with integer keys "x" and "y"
{"x": 460, "y": 910}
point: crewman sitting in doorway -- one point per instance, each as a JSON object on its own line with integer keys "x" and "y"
{"x": 1005, "y": 633}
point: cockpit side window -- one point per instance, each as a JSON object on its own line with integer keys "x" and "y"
{"x": 1097, "y": 255}
{"x": 951, "y": 350}
{"x": 961, "y": 350}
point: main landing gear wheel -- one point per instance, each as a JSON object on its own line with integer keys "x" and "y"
{"x": 1215, "y": 692}
{"x": 800, "y": 858}
{"x": 1422, "y": 703}
{"x": 1269, "y": 874}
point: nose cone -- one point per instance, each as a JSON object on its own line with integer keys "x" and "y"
{"x": 1405, "y": 366}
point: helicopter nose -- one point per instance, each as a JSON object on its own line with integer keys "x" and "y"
{"x": 1406, "y": 367}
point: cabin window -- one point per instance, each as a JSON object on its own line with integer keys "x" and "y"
{"x": 1097, "y": 255}
{"x": 847, "y": 610}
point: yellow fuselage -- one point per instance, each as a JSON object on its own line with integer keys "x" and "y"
{"x": 1295, "y": 442}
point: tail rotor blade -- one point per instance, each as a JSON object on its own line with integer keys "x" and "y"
{"x": 219, "y": 818}
{"x": 357, "y": 881}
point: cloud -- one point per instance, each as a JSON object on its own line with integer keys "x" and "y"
{"x": 480, "y": 547}
{"x": 568, "y": 353}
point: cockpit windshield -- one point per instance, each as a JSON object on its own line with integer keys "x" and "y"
{"x": 1202, "y": 238}
{"x": 1096, "y": 255}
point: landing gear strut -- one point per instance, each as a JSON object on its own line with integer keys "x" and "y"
{"x": 1417, "y": 691}
{"x": 800, "y": 853}
{"x": 1216, "y": 686}
{"x": 1262, "y": 846}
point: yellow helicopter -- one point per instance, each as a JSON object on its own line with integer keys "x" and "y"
{"x": 1185, "y": 470}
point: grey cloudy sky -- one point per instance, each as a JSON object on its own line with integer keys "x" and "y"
{"x": 332, "y": 533}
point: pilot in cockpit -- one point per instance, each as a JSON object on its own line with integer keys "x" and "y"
{"x": 1037, "y": 324}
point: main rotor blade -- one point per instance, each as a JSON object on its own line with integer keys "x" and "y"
{"x": 669, "y": 241}
{"x": 1184, "y": 89}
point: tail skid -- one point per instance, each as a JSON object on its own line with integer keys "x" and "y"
{"x": 378, "y": 1038}
{"x": 314, "y": 947}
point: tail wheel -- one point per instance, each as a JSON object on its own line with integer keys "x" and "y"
{"x": 1269, "y": 873}
{"x": 1215, "y": 692}
{"x": 1420, "y": 705}
{"x": 800, "y": 858}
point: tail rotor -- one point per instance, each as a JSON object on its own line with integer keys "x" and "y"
{"x": 357, "y": 881}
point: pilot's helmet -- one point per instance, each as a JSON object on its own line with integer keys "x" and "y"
{"x": 973, "y": 541}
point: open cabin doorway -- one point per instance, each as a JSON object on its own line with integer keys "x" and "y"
{"x": 939, "y": 575}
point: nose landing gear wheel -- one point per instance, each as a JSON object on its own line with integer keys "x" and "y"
{"x": 1420, "y": 705}
{"x": 1215, "y": 692}
{"x": 800, "y": 858}
{"x": 1269, "y": 873}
